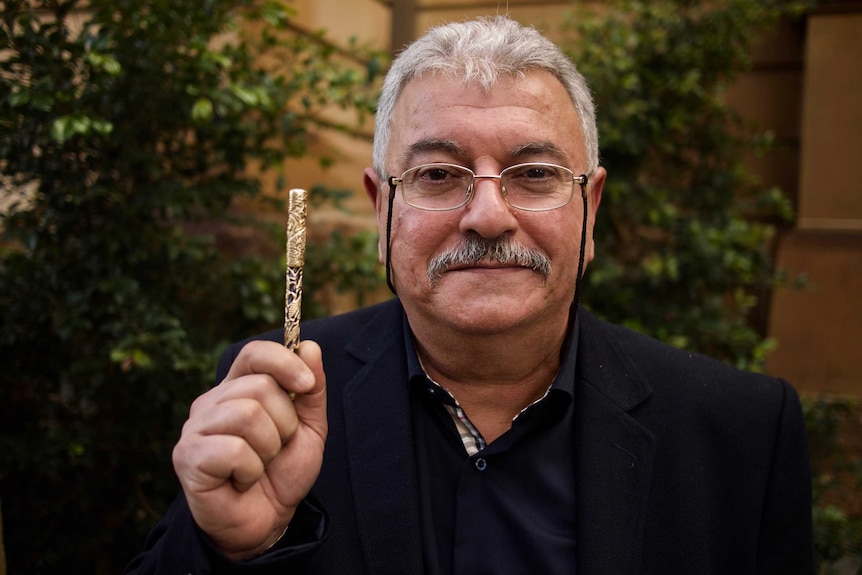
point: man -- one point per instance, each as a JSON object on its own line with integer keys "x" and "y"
{"x": 481, "y": 422}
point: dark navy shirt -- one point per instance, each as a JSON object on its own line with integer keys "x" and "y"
{"x": 510, "y": 508}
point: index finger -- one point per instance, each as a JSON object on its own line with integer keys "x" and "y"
{"x": 273, "y": 359}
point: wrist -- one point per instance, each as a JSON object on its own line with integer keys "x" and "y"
{"x": 248, "y": 554}
{"x": 279, "y": 533}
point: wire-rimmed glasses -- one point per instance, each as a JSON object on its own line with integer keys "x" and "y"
{"x": 534, "y": 186}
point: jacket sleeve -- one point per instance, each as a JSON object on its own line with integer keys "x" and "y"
{"x": 177, "y": 545}
{"x": 786, "y": 541}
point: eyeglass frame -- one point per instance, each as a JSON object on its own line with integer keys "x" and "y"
{"x": 391, "y": 200}
{"x": 581, "y": 180}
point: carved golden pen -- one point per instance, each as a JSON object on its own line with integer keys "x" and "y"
{"x": 295, "y": 258}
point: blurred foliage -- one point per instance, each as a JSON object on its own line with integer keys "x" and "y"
{"x": 346, "y": 263}
{"x": 835, "y": 435}
{"x": 128, "y": 130}
{"x": 684, "y": 231}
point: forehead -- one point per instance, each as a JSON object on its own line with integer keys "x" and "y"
{"x": 516, "y": 117}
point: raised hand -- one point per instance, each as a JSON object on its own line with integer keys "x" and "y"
{"x": 249, "y": 454}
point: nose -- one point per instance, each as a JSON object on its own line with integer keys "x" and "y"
{"x": 487, "y": 212}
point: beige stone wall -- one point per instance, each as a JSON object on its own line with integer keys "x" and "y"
{"x": 819, "y": 329}
{"x": 368, "y": 22}
{"x": 544, "y": 16}
{"x": 770, "y": 97}
{"x": 831, "y": 169}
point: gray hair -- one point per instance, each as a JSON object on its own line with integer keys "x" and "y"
{"x": 481, "y": 51}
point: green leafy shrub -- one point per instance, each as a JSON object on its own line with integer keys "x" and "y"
{"x": 684, "y": 229}
{"x": 128, "y": 131}
{"x": 835, "y": 434}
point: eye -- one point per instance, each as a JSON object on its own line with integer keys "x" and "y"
{"x": 434, "y": 174}
{"x": 437, "y": 173}
{"x": 539, "y": 173}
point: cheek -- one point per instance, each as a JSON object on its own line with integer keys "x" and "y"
{"x": 560, "y": 239}
{"x": 416, "y": 238}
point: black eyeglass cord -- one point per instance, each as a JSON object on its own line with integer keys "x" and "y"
{"x": 573, "y": 309}
{"x": 390, "y": 201}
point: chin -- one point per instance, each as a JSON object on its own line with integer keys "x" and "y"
{"x": 486, "y": 318}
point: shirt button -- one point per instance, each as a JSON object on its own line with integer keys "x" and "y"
{"x": 481, "y": 464}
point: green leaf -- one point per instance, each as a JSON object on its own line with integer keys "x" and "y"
{"x": 61, "y": 129}
{"x": 202, "y": 111}
{"x": 103, "y": 62}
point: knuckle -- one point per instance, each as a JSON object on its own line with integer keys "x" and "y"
{"x": 198, "y": 404}
{"x": 249, "y": 409}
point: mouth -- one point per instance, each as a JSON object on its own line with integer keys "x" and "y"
{"x": 483, "y": 265}
{"x": 488, "y": 266}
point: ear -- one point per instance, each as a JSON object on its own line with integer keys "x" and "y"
{"x": 372, "y": 184}
{"x": 594, "y": 198}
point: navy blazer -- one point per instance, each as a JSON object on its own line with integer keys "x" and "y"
{"x": 684, "y": 465}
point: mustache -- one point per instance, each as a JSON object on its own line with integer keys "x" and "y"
{"x": 474, "y": 249}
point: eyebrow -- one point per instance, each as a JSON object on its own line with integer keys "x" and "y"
{"x": 452, "y": 148}
{"x": 539, "y": 149}
{"x": 433, "y": 145}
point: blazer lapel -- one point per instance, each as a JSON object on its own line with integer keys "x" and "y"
{"x": 615, "y": 456}
{"x": 380, "y": 449}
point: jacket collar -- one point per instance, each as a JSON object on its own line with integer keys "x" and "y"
{"x": 615, "y": 453}
{"x": 379, "y": 436}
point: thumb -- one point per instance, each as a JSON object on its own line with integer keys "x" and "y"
{"x": 311, "y": 405}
